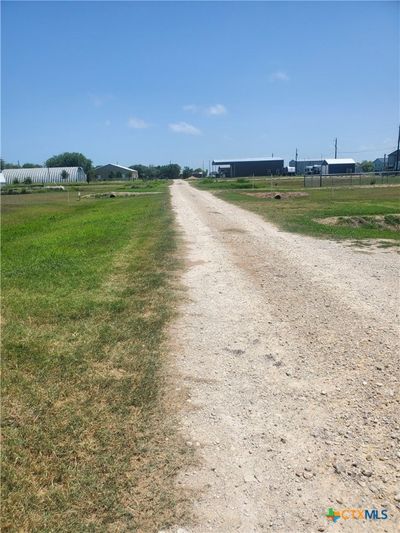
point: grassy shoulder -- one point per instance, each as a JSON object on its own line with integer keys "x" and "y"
{"x": 304, "y": 214}
{"x": 87, "y": 295}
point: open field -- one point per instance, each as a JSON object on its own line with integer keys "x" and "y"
{"x": 87, "y": 293}
{"x": 91, "y": 187}
{"x": 301, "y": 214}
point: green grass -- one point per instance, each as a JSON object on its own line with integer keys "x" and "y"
{"x": 301, "y": 214}
{"x": 91, "y": 187}
{"x": 262, "y": 183}
{"x": 87, "y": 294}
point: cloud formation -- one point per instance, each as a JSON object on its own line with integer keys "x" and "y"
{"x": 213, "y": 110}
{"x": 137, "y": 123}
{"x": 217, "y": 109}
{"x": 184, "y": 127}
{"x": 279, "y": 75}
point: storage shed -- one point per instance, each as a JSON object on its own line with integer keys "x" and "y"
{"x": 44, "y": 175}
{"x": 338, "y": 166}
{"x": 258, "y": 166}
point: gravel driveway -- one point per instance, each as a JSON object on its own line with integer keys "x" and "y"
{"x": 287, "y": 347}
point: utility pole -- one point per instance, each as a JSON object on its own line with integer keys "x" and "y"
{"x": 295, "y": 168}
{"x": 397, "y": 153}
{"x": 336, "y": 148}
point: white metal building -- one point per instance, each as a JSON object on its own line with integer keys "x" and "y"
{"x": 44, "y": 175}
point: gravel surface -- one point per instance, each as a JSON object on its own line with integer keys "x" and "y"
{"x": 287, "y": 347}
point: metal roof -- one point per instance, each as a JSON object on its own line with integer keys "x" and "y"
{"x": 246, "y": 160}
{"x": 114, "y": 165}
{"x": 44, "y": 174}
{"x": 347, "y": 161}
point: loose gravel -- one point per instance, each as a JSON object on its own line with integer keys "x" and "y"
{"x": 288, "y": 347}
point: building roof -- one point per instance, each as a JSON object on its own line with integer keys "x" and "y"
{"x": 114, "y": 165}
{"x": 42, "y": 173}
{"x": 380, "y": 159}
{"x": 2, "y": 178}
{"x": 246, "y": 160}
{"x": 393, "y": 153}
{"x": 347, "y": 161}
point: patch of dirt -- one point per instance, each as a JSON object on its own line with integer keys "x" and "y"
{"x": 277, "y": 195}
{"x": 391, "y": 222}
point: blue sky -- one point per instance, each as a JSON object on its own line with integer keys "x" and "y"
{"x": 150, "y": 82}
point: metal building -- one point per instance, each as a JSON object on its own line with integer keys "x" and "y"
{"x": 115, "y": 172}
{"x": 338, "y": 166}
{"x": 303, "y": 163}
{"x": 44, "y": 175}
{"x": 394, "y": 160}
{"x": 258, "y": 166}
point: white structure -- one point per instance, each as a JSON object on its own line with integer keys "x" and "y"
{"x": 2, "y": 179}
{"x": 44, "y": 175}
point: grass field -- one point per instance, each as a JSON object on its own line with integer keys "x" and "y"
{"x": 87, "y": 293}
{"x": 301, "y": 214}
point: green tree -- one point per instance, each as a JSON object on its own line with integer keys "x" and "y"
{"x": 367, "y": 166}
{"x": 28, "y": 181}
{"x": 31, "y": 165}
{"x": 64, "y": 174}
{"x": 70, "y": 159}
{"x": 187, "y": 172}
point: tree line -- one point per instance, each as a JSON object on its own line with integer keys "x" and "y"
{"x": 145, "y": 172}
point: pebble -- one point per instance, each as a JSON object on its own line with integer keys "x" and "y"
{"x": 366, "y": 473}
{"x": 397, "y": 497}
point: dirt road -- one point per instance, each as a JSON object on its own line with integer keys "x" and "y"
{"x": 287, "y": 347}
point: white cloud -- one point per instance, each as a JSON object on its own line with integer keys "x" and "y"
{"x": 217, "y": 109}
{"x": 279, "y": 75}
{"x": 184, "y": 127}
{"x": 137, "y": 123}
{"x": 191, "y": 108}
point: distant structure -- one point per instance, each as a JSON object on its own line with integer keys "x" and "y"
{"x": 2, "y": 179}
{"x": 393, "y": 161}
{"x": 115, "y": 172}
{"x": 379, "y": 164}
{"x": 338, "y": 166}
{"x": 328, "y": 166}
{"x": 44, "y": 175}
{"x": 240, "y": 168}
{"x": 303, "y": 163}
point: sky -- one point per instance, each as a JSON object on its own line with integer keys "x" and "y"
{"x": 188, "y": 82}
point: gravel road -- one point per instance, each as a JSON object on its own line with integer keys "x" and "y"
{"x": 287, "y": 347}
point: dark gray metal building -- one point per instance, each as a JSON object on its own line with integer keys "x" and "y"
{"x": 258, "y": 166}
{"x": 303, "y": 163}
{"x": 393, "y": 160}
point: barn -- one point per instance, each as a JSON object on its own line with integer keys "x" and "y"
{"x": 115, "y": 172}
{"x": 44, "y": 175}
{"x": 338, "y": 166}
{"x": 259, "y": 166}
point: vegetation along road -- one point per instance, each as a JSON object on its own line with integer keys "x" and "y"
{"x": 287, "y": 347}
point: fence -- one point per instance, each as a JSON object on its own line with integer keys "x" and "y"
{"x": 350, "y": 180}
